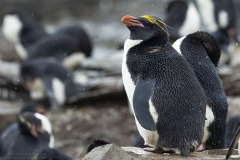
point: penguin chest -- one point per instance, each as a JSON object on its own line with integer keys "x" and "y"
{"x": 150, "y": 137}
{"x": 126, "y": 76}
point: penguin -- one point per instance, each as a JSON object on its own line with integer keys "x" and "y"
{"x": 28, "y": 136}
{"x": 235, "y": 141}
{"x": 213, "y": 16}
{"x": 202, "y": 52}
{"x": 64, "y": 46}
{"x": 96, "y": 143}
{"x": 217, "y": 14}
{"x": 219, "y": 19}
{"x": 22, "y": 30}
{"x": 232, "y": 127}
{"x": 168, "y": 102}
{"x": 47, "y": 79}
{"x": 82, "y": 37}
{"x": 180, "y": 15}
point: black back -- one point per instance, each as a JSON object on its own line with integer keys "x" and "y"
{"x": 202, "y": 52}
{"x": 45, "y": 68}
{"x": 82, "y": 38}
{"x": 54, "y": 46}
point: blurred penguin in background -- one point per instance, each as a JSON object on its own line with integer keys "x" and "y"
{"x": 22, "y": 30}
{"x": 47, "y": 79}
{"x": 30, "y": 137}
{"x": 29, "y": 134}
{"x": 69, "y": 45}
{"x": 213, "y": 16}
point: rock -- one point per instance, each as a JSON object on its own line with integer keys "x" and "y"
{"x": 8, "y": 113}
{"x": 109, "y": 152}
{"x": 113, "y": 152}
{"x": 233, "y": 106}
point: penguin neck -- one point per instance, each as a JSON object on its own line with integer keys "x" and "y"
{"x": 156, "y": 41}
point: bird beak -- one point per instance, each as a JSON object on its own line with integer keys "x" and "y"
{"x": 131, "y": 21}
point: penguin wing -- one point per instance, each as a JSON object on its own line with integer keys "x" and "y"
{"x": 49, "y": 90}
{"x": 233, "y": 144}
{"x": 141, "y": 96}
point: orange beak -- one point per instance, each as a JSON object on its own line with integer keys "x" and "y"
{"x": 131, "y": 21}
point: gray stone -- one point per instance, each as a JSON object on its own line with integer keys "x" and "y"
{"x": 109, "y": 152}
{"x": 8, "y": 113}
{"x": 112, "y": 152}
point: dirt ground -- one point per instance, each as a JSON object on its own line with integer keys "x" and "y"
{"x": 75, "y": 128}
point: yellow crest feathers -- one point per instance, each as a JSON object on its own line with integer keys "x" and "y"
{"x": 156, "y": 21}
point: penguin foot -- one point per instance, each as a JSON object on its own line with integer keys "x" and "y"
{"x": 150, "y": 149}
{"x": 157, "y": 150}
{"x": 200, "y": 148}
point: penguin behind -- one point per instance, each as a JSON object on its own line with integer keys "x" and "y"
{"x": 202, "y": 52}
{"x": 219, "y": 19}
{"x": 47, "y": 79}
{"x": 22, "y": 30}
{"x": 180, "y": 15}
{"x": 167, "y": 99}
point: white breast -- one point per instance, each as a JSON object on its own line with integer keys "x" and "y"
{"x": 177, "y": 44}
{"x": 11, "y": 28}
{"x": 206, "y": 8}
{"x": 208, "y": 122}
{"x": 150, "y": 137}
{"x": 192, "y": 21}
{"x": 46, "y": 125}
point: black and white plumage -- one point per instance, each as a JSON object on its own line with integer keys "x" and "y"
{"x": 70, "y": 45}
{"x": 203, "y": 53}
{"x": 213, "y": 16}
{"x": 46, "y": 78}
{"x": 167, "y": 99}
{"x": 22, "y": 30}
{"x": 28, "y": 136}
{"x": 180, "y": 15}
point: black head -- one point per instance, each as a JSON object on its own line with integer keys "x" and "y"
{"x": 30, "y": 124}
{"x": 146, "y": 27}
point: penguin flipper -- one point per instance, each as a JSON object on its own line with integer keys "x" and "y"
{"x": 233, "y": 144}
{"x": 141, "y": 96}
